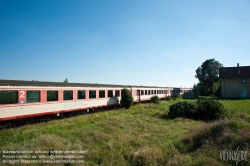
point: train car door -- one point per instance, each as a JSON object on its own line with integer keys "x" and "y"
{"x": 138, "y": 95}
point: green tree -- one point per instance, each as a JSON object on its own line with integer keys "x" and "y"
{"x": 127, "y": 99}
{"x": 208, "y": 75}
{"x": 199, "y": 89}
{"x": 217, "y": 88}
{"x": 66, "y": 80}
{"x": 196, "y": 90}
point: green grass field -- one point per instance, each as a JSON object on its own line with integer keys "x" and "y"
{"x": 141, "y": 135}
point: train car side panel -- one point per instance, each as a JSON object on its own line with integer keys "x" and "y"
{"x": 29, "y": 110}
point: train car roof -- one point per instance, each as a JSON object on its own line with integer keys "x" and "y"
{"x": 52, "y": 84}
{"x": 62, "y": 84}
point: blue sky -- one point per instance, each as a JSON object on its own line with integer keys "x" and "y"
{"x": 130, "y": 42}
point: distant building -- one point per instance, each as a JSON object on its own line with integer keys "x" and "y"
{"x": 235, "y": 81}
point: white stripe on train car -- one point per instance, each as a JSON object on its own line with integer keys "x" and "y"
{"x": 32, "y": 109}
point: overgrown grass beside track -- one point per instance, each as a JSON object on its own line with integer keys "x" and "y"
{"x": 142, "y": 135}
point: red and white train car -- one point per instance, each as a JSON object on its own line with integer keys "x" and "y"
{"x": 23, "y": 99}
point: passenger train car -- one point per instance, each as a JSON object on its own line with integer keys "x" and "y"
{"x": 23, "y": 99}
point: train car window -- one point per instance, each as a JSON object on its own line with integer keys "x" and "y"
{"x": 8, "y": 97}
{"x": 110, "y": 93}
{"x": 81, "y": 94}
{"x": 146, "y": 92}
{"x": 33, "y": 96}
{"x": 68, "y": 95}
{"x": 154, "y": 91}
{"x": 92, "y": 94}
{"x": 52, "y": 95}
{"x": 142, "y": 92}
{"x": 102, "y": 94}
{"x": 117, "y": 93}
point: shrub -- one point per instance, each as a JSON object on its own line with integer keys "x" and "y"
{"x": 168, "y": 98}
{"x": 127, "y": 99}
{"x": 179, "y": 96}
{"x": 209, "y": 109}
{"x": 182, "y": 109}
{"x": 203, "y": 109}
{"x": 155, "y": 99}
